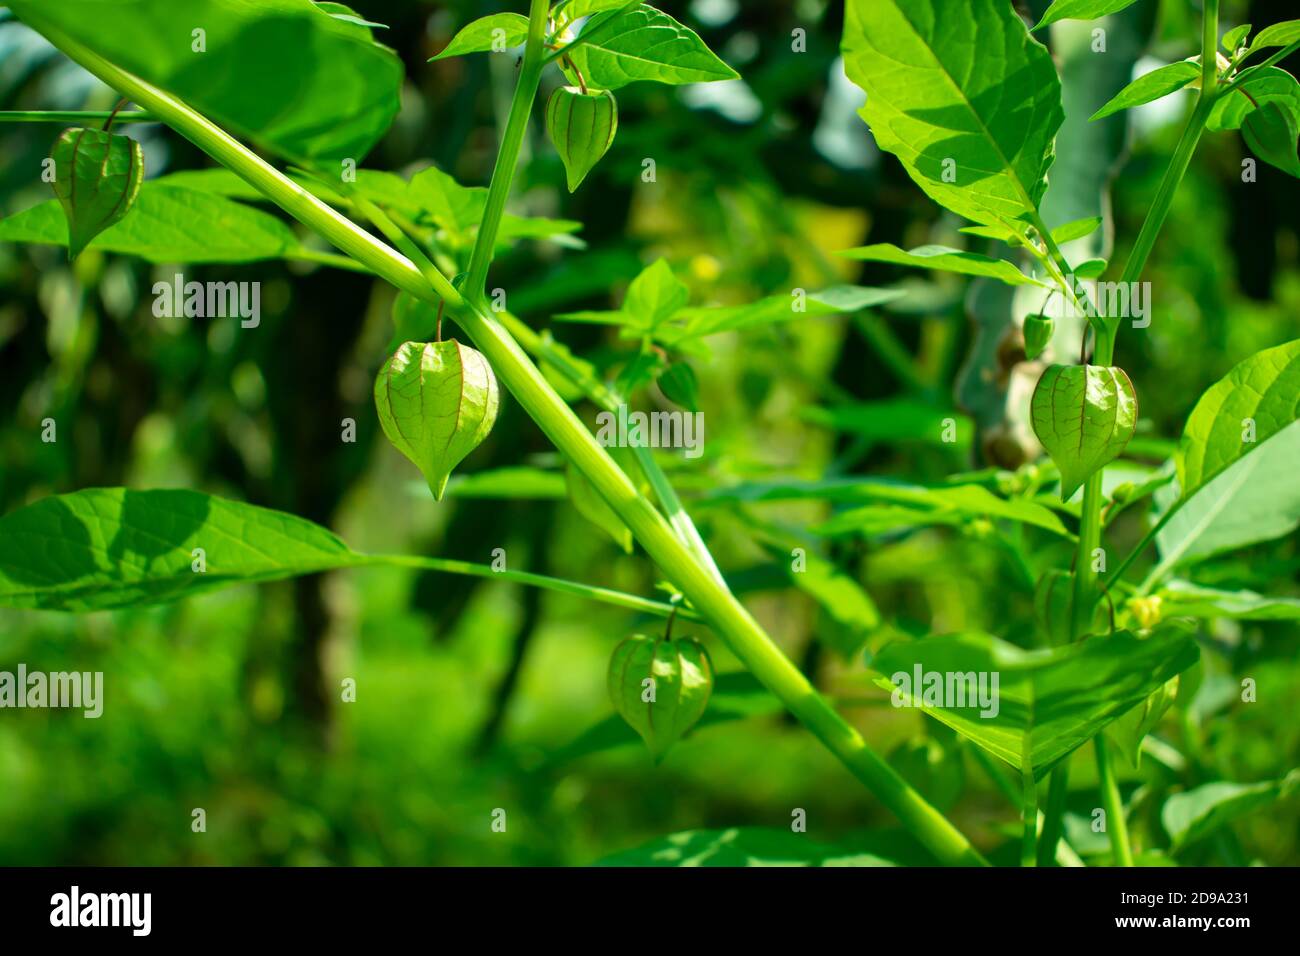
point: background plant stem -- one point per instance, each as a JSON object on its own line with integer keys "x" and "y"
{"x": 1116, "y": 827}
{"x": 728, "y": 616}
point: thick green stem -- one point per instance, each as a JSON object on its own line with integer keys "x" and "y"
{"x": 716, "y": 604}
{"x": 503, "y": 173}
{"x": 1116, "y": 824}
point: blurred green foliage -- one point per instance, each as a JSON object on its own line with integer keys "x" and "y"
{"x": 469, "y": 691}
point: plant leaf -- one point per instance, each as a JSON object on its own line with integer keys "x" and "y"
{"x": 849, "y": 609}
{"x": 1258, "y": 87}
{"x": 645, "y": 44}
{"x": 284, "y": 73}
{"x": 96, "y": 179}
{"x": 1128, "y": 731}
{"x": 1081, "y": 10}
{"x": 1077, "y": 229}
{"x": 161, "y": 228}
{"x": 1048, "y": 702}
{"x": 1278, "y": 34}
{"x": 1263, "y": 391}
{"x": 1272, "y": 132}
{"x": 1233, "y": 38}
{"x": 945, "y": 259}
{"x": 944, "y": 505}
{"x": 1084, "y": 415}
{"x": 1151, "y": 86}
{"x": 1255, "y": 499}
{"x": 655, "y": 296}
{"x": 113, "y": 547}
{"x": 974, "y": 130}
{"x": 741, "y": 846}
{"x": 679, "y": 385}
{"x": 506, "y": 30}
{"x": 1193, "y": 815}
{"x": 1181, "y": 597}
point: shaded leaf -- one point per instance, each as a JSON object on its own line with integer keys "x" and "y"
{"x": 945, "y": 259}
{"x": 1047, "y": 703}
{"x": 974, "y": 130}
{"x": 1193, "y": 815}
{"x": 114, "y": 547}
{"x": 283, "y": 73}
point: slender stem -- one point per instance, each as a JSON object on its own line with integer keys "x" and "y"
{"x": 1029, "y": 819}
{"x": 605, "y": 595}
{"x": 1191, "y": 135}
{"x": 729, "y": 618}
{"x": 503, "y": 173}
{"x": 1057, "y": 790}
{"x": 75, "y": 116}
{"x": 1116, "y": 824}
{"x": 1141, "y": 546}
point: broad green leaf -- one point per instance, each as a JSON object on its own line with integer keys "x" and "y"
{"x": 741, "y": 846}
{"x": 1084, "y": 415}
{"x": 161, "y": 227}
{"x": 1077, "y": 229}
{"x": 1233, "y": 39}
{"x": 1255, "y": 499}
{"x": 436, "y": 401}
{"x": 1279, "y": 34}
{"x": 96, "y": 179}
{"x": 941, "y": 505}
{"x": 1151, "y": 86}
{"x": 1180, "y": 597}
{"x": 660, "y": 687}
{"x": 644, "y": 44}
{"x": 1238, "y": 414}
{"x": 1081, "y": 10}
{"x": 946, "y": 260}
{"x": 1193, "y": 815}
{"x": 973, "y": 123}
{"x": 1128, "y": 731}
{"x": 1047, "y": 702}
{"x": 283, "y": 73}
{"x": 498, "y": 32}
{"x": 1090, "y": 268}
{"x": 114, "y": 547}
{"x": 1259, "y": 87}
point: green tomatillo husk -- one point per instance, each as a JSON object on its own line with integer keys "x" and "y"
{"x": 582, "y": 127}
{"x": 436, "y": 402}
{"x": 660, "y": 686}
{"x": 1084, "y": 415}
{"x": 96, "y": 179}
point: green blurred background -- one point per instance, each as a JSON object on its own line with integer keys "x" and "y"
{"x": 475, "y": 695}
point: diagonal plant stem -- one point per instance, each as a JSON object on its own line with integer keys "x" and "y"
{"x": 729, "y": 618}
{"x": 74, "y": 116}
{"x": 503, "y": 173}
